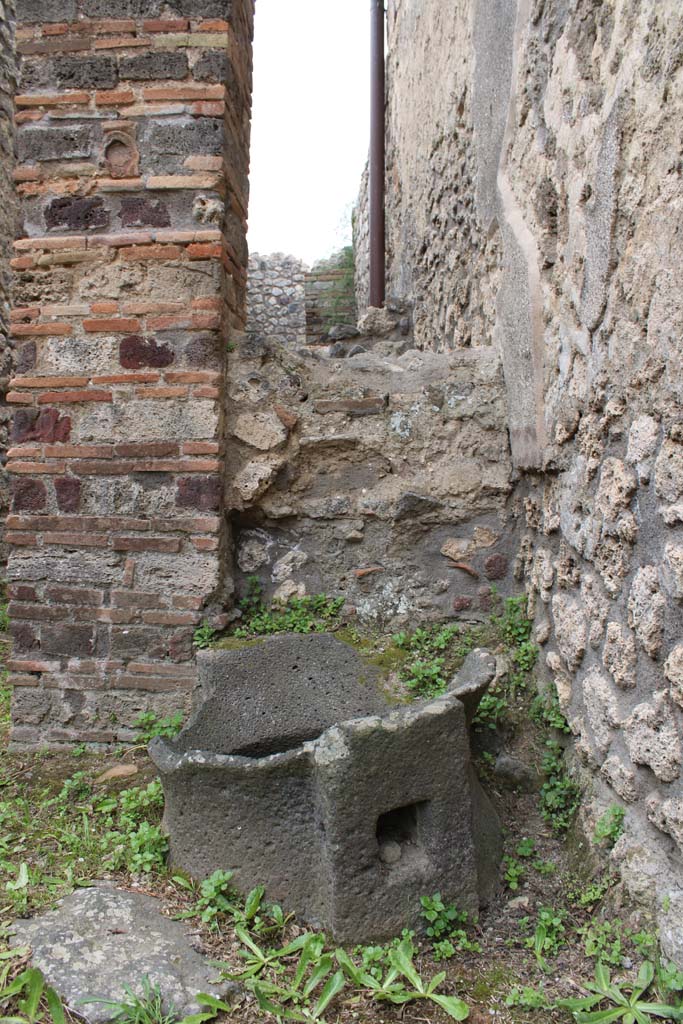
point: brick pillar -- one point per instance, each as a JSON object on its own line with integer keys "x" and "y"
{"x": 133, "y": 132}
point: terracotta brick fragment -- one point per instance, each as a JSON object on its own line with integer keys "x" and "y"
{"x": 22, "y": 262}
{"x": 40, "y": 468}
{"x": 40, "y": 425}
{"x": 204, "y": 109}
{"x": 107, "y": 325}
{"x": 120, "y": 42}
{"x": 207, "y": 302}
{"x": 144, "y": 668}
{"x": 192, "y": 376}
{"x": 206, "y": 392}
{"x": 20, "y": 398}
{"x": 212, "y": 25}
{"x": 202, "y": 162}
{"x": 169, "y": 322}
{"x": 110, "y": 26}
{"x": 90, "y": 395}
{"x": 25, "y": 540}
{"x": 153, "y": 618}
{"x": 161, "y": 392}
{"x": 52, "y": 99}
{"x": 77, "y": 540}
{"x": 24, "y": 313}
{"x": 152, "y": 449}
{"x": 104, "y": 307}
{"x": 48, "y": 382}
{"x": 184, "y": 92}
{"x": 142, "y": 308}
{"x": 15, "y": 665}
{"x": 205, "y": 543}
{"x": 136, "y": 599}
{"x": 200, "y": 448}
{"x": 58, "y": 44}
{"x": 21, "y": 592}
{"x": 68, "y": 493}
{"x": 126, "y": 378}
{"x": 204, "y": 251}
{"x": 170, "y": 545}
{"x": 182, "y": 181}
{"x": 114, "y": 97}
{"x": 152, "y": 252}
{"x": 158, "y": 684}
{"x": 187, "y": 601}
{"x": 50, "y": 330}
{"x": 75, "y": 595}
{"x": 166, "y": 25}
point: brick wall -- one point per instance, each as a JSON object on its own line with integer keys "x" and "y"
{"x": 129, "y": 273}
{"x": 330, "y": 295}
{"x": 7, "y": 211}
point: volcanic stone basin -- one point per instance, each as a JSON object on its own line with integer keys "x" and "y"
{"x": 296, "y": 772}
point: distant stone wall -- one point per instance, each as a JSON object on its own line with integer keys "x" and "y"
{"x": 276, "y": 298}
{"x": 7, "y": 227}
{"x": 330, "y": 295}
{"x": 361, "y": 245}
{"x": 530, "y": 211}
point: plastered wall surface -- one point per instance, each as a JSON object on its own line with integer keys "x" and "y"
{"x": 535, "y": 205}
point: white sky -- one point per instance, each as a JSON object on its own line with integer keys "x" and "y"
{"x": 310, "y": 128}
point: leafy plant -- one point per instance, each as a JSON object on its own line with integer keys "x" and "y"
{"x": 545, "y": 710}
{"x": 29, "y": 992}
{"x": 446, "y": 928}
{"x": 514, "y": 872}
{"x": 610, "y": 826}
{"x": 149, "y": 725}
{"x": 203, "y": 636}
{"x": 525, "y": 847}
{"x": 148, "y": 1008}
{"x": 392, "y": 987}
{"x": 492, "y": 709}
{"x": 590, "y": 894}
{"x": 560, "y": 796}
{"x": 528, "y": 998}
{"x": 433, "y": 652}
{"x": 297, "y": 615}
{"x": 625, "y": 1002}
{"x": 603, "y": 941}
{"x": 296, "y": 1001}
{"x": 548, "y": 937}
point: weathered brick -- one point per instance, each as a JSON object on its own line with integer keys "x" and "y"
{"x": 50, "y": 330}
{"x": 25, "y": 357}
{"x": 151, "y": 449}
{"x": 76, "y": 595}
{"x": 136, "y": 351}
{"x": 154, "y": 65}
{"x": 166, "y": 25}
{"x": 68, "y": 493}
{"x": 29, "y": 495}
{"x": 372, "y": 406}
{"x": 21, "y": 540}
{"x": 114, "y": 97}
{"x": 136, "y": 599}
{"x": 200, "y": 492}
{"x": 55, "y": 99}
{"x": 48, "y": 382}
{"x": 22, "y": 592}
{"x": 77, "y": 540}
{"x": 110, "y": 325}
{"x": 40, "y": 425}
{"x": 90, "y": 395}
{"x": 152, "y": 252}
{"x": 24, "y": 637}
{"x": 169, "y": 545}
{"x": 170, "y": 618}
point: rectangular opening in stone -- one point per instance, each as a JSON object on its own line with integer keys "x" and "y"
{"x": 398, "y": 832}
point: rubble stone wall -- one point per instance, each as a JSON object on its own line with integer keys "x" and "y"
{"x": 129, "y": 276}
{"x": 7, "y": 215}
{"x": 535, "y": 203}
{"x": 276, "y": 298}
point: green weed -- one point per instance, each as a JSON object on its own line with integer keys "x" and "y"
{"x": 446, "y": 927}
{"x": 203, "y": 636}
{"x": 611, "y": 1001}
{"x": 149, "y": 725}
{"x": 560, "y": 796}
{"x": 609, "y": 826}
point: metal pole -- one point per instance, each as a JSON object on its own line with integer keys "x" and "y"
{"x": 377, "y": 155}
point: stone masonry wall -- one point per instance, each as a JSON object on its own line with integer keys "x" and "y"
{"x": 535, "y": 202}
{"x": 129, "y": 274}
{"x": 276, "y": 298}
{"x": 330, "y": 295}
{"x": 7, "y": 214}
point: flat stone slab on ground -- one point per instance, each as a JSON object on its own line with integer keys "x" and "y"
{"x": 102, "y": 938}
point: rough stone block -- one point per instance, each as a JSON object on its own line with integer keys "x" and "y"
{"x": 35, "y": 11}
{"x": 67, "y": 639}
{"x": 67, "y": 141}
{"x": 106, "y": 939}
{"x": 138, "y": 212}
{"x": 200, "y": 492}
{"x": 144, "y": 67}
{"x": 75, "y": 213}
{"x": 136, "y": 352}
{"x": 29, "y": 495}
{"x": 85, "y": 72}
{"x": 298, "y": 775}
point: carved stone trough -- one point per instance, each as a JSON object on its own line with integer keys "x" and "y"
{"x": 297, "y": 772}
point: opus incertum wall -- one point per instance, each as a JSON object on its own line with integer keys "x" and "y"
{"x": 129, "y": 272}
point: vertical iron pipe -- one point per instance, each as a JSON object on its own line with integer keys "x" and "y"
{"x": 377, "y": 155}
